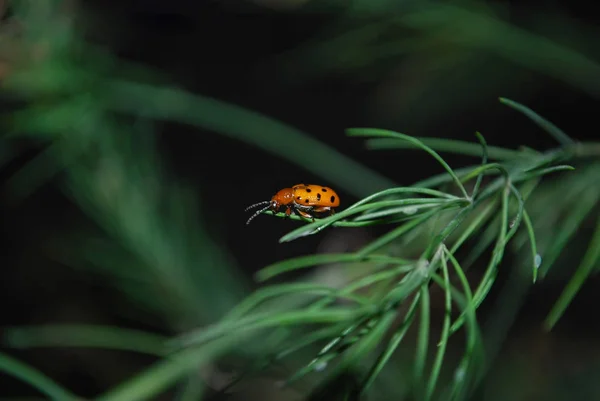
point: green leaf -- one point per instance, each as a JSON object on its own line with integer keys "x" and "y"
{"x": 544, "y": 171}
{"x": 89, "y": 336}
{"x": 359, "y": 351}
{"x": 264, "y": 320}
{"x": 439, "y": 239}
{"x": 317, "y": 226}
{"x": 546, "y": 125}
{"x": 266, "y": 133}
{"x": 395, "y": 233}
{"x": 422, "y": 339}
{"x": 334, "y": 348}
{"x": 414, "y": 141}
{"x": 192, "y": 389}
{"x": 484, "y": 159}
{"x": 536, "y": 258}
{"x": 166, "y": 372}
{"x": 303, "y": 262}
{"x": 481, "y": 216}
{"x": 373, "y": 278}
{"x": 391, "y": 345}
{"x": 445, "y": 145}
{"x": 484, "y": 240}
{"x": 34, "y": 378}
{"x": 403, "y": 211}
{"x": 490, "y": 272}
{"x": 443, "y": 178}
{"x": 445, "y": 334}
{"x": 473, "y": 352}
{"x": 589, "y": 261}
{"x": 264, "y": 294}
{"x": 586, "y": 201}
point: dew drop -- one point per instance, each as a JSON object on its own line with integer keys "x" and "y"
{"x": 319, "y": 367}
{"x": 410, "y": 210}
{"x": 537, "y": 261}
{"x": 459, "y": 374}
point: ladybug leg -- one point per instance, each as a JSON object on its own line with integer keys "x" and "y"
{"x": 324, "y": 209}
{"x": 288, "y": 211}
{"x": 304, "y": 214}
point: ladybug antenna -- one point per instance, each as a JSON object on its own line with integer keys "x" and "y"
{"x": 257, "y": 212}
{"x": 256, "y": 204}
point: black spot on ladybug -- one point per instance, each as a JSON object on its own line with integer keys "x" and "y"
{"x": 306, "y": 201}
{"x": 332, "y": 199}
{"x": 308, "y": 190}
{"x": 318, "y": 196}
{"x": 324, "y": 189}
{"x": 298, "y": 197}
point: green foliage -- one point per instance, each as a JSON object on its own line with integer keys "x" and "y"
{"x": 335, "y": 338}
{"x": 33, "y": 377}
{"x": 452, "y": 55}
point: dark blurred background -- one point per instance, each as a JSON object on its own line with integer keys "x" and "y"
{"x": 279, "y": 58}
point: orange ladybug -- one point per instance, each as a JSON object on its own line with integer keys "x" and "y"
{"x": 304, "y": 200}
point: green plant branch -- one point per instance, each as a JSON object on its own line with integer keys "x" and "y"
{"x": 484, "y": 160}
{"x": 422, "y": 340}
{"x": 385, "y": 133}
{"x": 589, "y": 261}
{"x": 445, "y": 145}
{"x": 391, "y": 346}
{"x": 78, "y": 335}
{"x": 265, "y": 133}
{"x": 536, "y": 259}
{"x": 265, "y": 320}
{"x": 445, "y": 334}
{"x": 34, "y": 378}
{"x": 546, "y": 125}
{"x": 302, "y": 262}
{"x": 352, "y": 331}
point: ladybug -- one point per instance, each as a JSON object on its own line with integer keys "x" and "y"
{"x": 304, "y": 200}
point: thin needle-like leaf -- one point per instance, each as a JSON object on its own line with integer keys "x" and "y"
{"x": 89, "y": 336}
{"x": 317, "y": 226}
{"x": 484, "y": 159}
{"x": 368, "y": 343}
{"x": 266, "y": 133}
{"x": 480, "y": 217}
{"x": 422, "y": 340}
{"x": 490, "y": 272}
{"x": 590, "y": 259}
{"x": 303, "y": 262}
{"x": 585, "y": 203}
{"x": 34, "y": 378}
{"x": 166, "y": 372}
{"x": 550, "y": 128}
{"x": 288, "y": 289}
{"x": 391, "y": 346}
{"x": 439, "y": 358}
{"x": 445, "y": 145}
{"x": 536, "y": 258}
{"x": 473, "y": 353}
{"x": 395, "y": 233}
{"x": 485, "y": 240}
{"x": 416, "y": 142}
{"x": 264, "y": 320}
